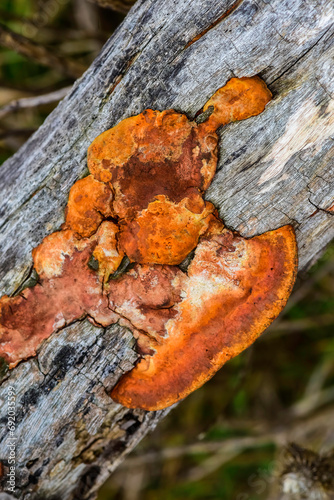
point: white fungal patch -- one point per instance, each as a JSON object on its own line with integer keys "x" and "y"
{"x": 130, "y": 311}
{"x": 270, "y": 186}
{"x": 154, "y": 282}
{"x": 300, "y": 134}
{"x": 59, "y": 322}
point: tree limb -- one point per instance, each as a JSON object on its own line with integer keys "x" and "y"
{"x": 273, "y": 169}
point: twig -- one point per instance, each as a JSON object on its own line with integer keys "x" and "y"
{"x": 35, "y": 101}
{"x": 310, "y": 403}
{"x": 308, "y": 285}
{"x": 86, "y": 16}
{"x": 279, "y": 326}
{"x": 228, "y": 446}
{"x": 16, "y": 132}
{"x": 211, "y": 464}
{"x": 318, "y": 377}
{"x": 40, "y": 54}
{"x": 296, "y": 325}
{"x": 227, "y": 453}
{"x": 52, "y": 32}
{"x": 122, "y": 6}
{"x": 288, "y": 425}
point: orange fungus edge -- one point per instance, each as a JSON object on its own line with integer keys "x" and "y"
{"x": 235, "y": 288}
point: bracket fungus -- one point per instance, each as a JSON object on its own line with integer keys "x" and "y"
{"x": 119, "y": 256}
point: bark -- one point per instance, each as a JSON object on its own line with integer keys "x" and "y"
{"x": 274, "y": 169}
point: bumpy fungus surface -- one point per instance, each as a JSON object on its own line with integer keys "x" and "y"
{"x": 90, "y": 202}
{"x": 143, "y": 203}
{"x": 164, "y": 232}
{"x": 234, "y": 289}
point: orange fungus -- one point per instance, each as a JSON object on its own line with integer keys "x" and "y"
{"x": 129, "y": 225}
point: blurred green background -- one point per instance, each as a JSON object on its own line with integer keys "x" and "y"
{"x": 223, "y": 441}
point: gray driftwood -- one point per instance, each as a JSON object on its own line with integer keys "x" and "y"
{"x": 274, "y": 169}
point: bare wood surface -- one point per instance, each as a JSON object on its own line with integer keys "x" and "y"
{"x": 274, "y": 169}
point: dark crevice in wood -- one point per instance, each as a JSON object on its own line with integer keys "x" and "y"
{"x": 233, "y": 7}
{"x": 300, "y": 58}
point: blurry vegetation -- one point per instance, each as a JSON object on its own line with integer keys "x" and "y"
{"x": 73, "y": 31}
{"x": 222, "y": 441}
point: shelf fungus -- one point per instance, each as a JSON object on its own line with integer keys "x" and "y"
{"x": 130, "y": 227}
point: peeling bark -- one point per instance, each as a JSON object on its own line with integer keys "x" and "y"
{"x": 274, "y": 169}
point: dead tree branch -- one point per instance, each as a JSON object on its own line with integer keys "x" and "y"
{"x": 273, "y": 169}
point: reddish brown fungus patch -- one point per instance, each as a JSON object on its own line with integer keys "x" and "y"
{"x": 154, "y": 153}
{"x": 149, "y": 173}
{"x": 57, "y": 300}
{"x": 147, "y": 296}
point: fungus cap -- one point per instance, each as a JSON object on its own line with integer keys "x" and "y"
{"x": 235, "y": 288}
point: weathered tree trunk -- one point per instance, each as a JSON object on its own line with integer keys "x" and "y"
{"x": 274, "y": 169}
